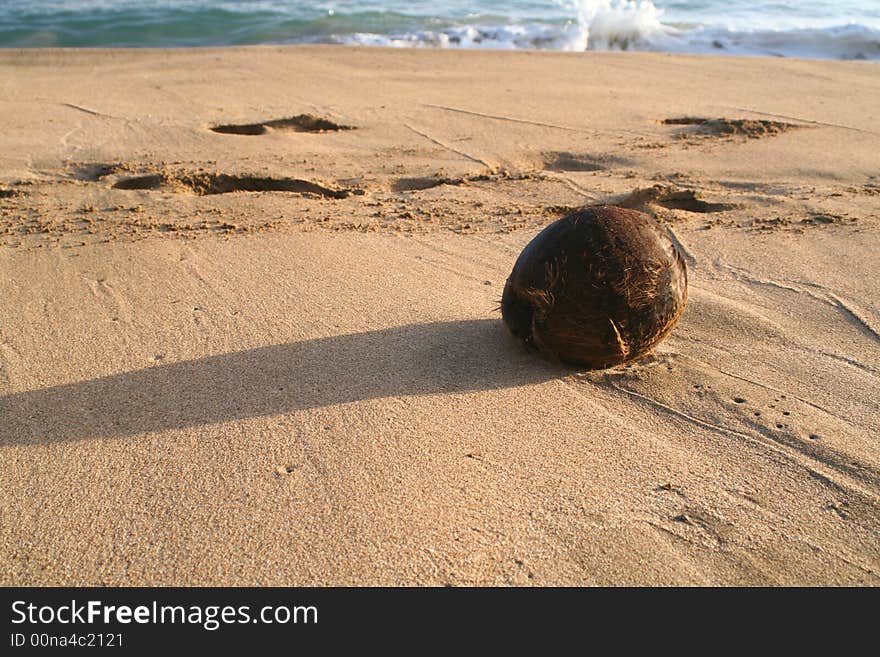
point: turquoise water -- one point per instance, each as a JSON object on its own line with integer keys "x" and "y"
{"x": 849, "y": 29}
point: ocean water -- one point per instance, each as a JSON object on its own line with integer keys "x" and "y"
{"x": 829, "y": 29}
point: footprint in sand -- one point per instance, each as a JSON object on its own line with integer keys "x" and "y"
{"x": 94, "y": 171}
{"x": 564, "y": 161}
{"x": 670, "y": 198}
{"x": 203, "y": 184}
{"x": 720, "y": 128}
{"x": 427, "y": 182}
{"x": 299, "y": 123}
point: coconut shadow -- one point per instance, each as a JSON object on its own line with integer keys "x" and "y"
{"x": 413, "y": 360}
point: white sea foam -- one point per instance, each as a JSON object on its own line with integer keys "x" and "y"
{"x": 618, "y": 24}
{"x": 831, "y": 29}
{"x": 632, "y": 25}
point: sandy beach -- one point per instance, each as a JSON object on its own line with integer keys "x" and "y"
{"x": 249, "y": 326}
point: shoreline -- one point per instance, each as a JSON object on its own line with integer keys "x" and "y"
{"x": 426, "y": 49}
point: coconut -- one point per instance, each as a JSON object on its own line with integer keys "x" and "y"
{"x": 596, "y": 288}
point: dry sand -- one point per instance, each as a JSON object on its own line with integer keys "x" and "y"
{"x": 275, "y": 357}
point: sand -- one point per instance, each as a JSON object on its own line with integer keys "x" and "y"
{"x": 271, "y": 354}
